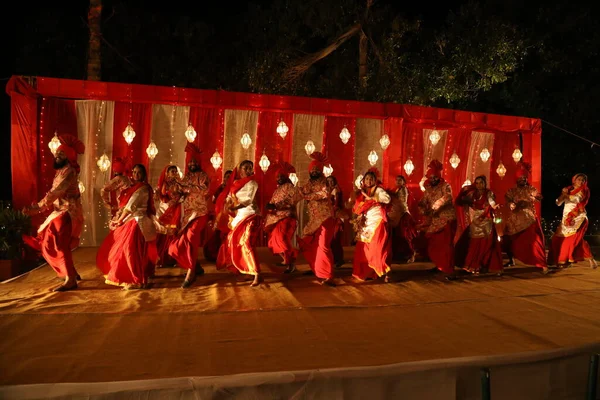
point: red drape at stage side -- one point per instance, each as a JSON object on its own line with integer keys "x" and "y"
{"x": 340, "y": 155}
{"x": 140, "y": 116}
{"x": 504, "y": 145}
{"x": 459, "y": 140}
{"x": 392, "y": 157}
{"x": 412, "y": 146}
{"x": 532, "y": 153}
{"x": 24, "y": 144}
{"x": 209, "y": 128}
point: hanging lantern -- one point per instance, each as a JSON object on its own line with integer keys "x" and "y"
{"x": 264, "y": 162}
{"x": 422, "y": 183}
{"x": 516, "y": 155}
{"x": 345, "y": 135}
{"x": 282, "y": 129}
{"x": 103, "y": 163}
{"x": 246, "y": 141}
{"x": 384, "y": 142}
{"x": 327, "y": 170}
{"x": 54, "y": 144}
{"x": 358, "y": 181}
{"x": 152, "y": 150}
{"x": 293, "y": 178}
{"x": 454, "y": 160}
{"x": 467, "y": 183}
{"x": 129, "y": 134}
{"x": 373, "y": 157}
{"x": 310, "y": 147}
{"x": 190, "y": 133}
{"x": 501, "y": 170}
{"x": 81, "y": 186}
{"x": 434, "y": 137}
{"x": 216, "y": 160}
{"x": 409, "y": 167}
{"x": 485, "y": 154}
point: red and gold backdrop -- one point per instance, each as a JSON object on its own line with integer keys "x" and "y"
{"x": 98, "y": 112}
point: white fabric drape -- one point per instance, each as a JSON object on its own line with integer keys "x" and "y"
{"x": 431, "y": 151}
{"x": 368, "y": 133}
{"x": 95, "y": 130}
{"x": 169, "y": 123}
{"x": 475, "y": 165}
{"x": 306, "y": 127}
{"x": 238, "y": 122}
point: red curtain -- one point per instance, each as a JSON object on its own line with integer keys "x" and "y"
{"x": 412, "y": 146}
{"x": 458, "y": 140}
{"x": 208, "y": 123}
{"x": 340, "y": 155}
{"x": 392, "y": 157}
{"x": 140, "y": 116}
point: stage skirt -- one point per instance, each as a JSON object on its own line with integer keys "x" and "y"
{"x": 163, "y": 242}
{"x": 185, "y": 247}
{"x": 213, "y": 244}
{"x": 481, "y": 254}
{"x": 440, "y": 247}
{"x": 238, "y": 252}
{"x": 54, "y": 242}
{"x": 280, "y": 239}
{"x": 370, "y": 258}
{"x": 565, "y": 250}
{"x": 125, "y": 258}
{"x": 316, "y": 249}
{"x": 336, "y": 243}
{"x": 527, "y": 246}
{"x": 403, "y": 236}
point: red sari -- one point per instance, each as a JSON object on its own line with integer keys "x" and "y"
{"x": 221, "y": 225}
{"x": 477, "y": 249}
{"x": 127, "y": 254}
{"x": 238, "y": 252}
{"x": 281, "y": 222}
{"x": 169, "y": 194}
{"x": 567, "y": 245}
{"x": 373, "y": 245}
{"x": 402, "y": 224}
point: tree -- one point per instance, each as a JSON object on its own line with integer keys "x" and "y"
{"x": 94, "y": 20}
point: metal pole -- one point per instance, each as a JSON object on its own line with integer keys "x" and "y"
{"x": 592, "y": 378}
{"x": 486, "y": 393}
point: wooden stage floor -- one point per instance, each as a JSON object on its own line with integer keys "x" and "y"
{"x": 100, "y": 333}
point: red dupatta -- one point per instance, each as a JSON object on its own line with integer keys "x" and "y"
{"x": 362, "y": 205}
{"x": 585, "y": 198}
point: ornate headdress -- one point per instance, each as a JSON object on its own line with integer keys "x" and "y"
{"x": 434, "y": 168}
{"x": 193, "y": 152}
{"x": 319, "y": 160}
{"x": 523, "y": 170}
{"x": 120, "y": 165}
{"x": 71, "y": 146}
{"x": 285, "y": 168}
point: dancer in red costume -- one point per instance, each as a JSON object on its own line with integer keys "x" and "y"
{"x": 340, "y": 214}
{"x": 315, "y": 243}
{"x": 116, "y": 185}
{"x": 281, "y": 220}
{"x": 169, "y": 194}
{"x": 523, "y": 237}
{"x": 61, "y": 230}
{"x": 402, "y": 224}
{"x": 373, "y": 244}
{"x": 568, "y": 244}
{"x": 437, "y": 208}
{"x": 478, "y": 249}
{"x": 220, "y": 224}
{"x": 238, "y": 252}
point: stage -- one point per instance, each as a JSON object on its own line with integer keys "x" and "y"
{"x": 220, "y": 326}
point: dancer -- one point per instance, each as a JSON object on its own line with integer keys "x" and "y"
{"x": 281, "y": 220}
{"x": 61, "y": 230}
{"x": 127, "y": 255}
{"x": 523, "y": 237}
{"x": 402, "y": 224}
{"x": 478, "y": 249}
{"x": 340, "y": 215}
{"x": 373, "y": 245}
{"x": 238, "y": 252}
{"x": 116, "y": 185}
{"x": 437, "y": 208}
{"x": 169, "y": 194}
{"x": 315, "y": 243}
{"x": 186, "y": 243}
{"x": 568, "y": 244}
{"x": 221, "y": 220}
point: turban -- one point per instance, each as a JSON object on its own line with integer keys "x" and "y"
{"x": 284, "y": 168}
{"x": 434, "y": 168}
{"x": 193, "y": 152}
{"x": 523, "y": 170}
{"x": 120, "y": 165}
{"x": 318, "y": 161}
{"x": 71, "y": 146}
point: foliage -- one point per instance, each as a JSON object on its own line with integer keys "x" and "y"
{"x": 13, "y": 224}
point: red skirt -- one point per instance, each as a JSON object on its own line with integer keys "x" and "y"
{"x": 184, "y": 248}
{"x": 528, "y": 246}
{"x": 316, "y": 249}
{"x": 336, "y": 243}
{"x": 124, "y": 256}
{"x": 280, "y": 239}
{"x": 440, "y": 247}
{"x": 564, "y": 250}
{"x": 238, "y": 252}
{"x": 403, "y": 237}
{"x": 481, "y": 254}
{"x": 370, "y": 259}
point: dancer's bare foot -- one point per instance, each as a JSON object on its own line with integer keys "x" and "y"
{"x": 411, "y": 259}
{"x": 545, "y": 271}
{"x": 257, "y": 280}
{"x": 593, "y": 263}
{"x": 387, "y": 278}
{"x": 70, "y": 283}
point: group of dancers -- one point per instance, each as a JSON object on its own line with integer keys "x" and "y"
{"x": 155, "y": 227}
